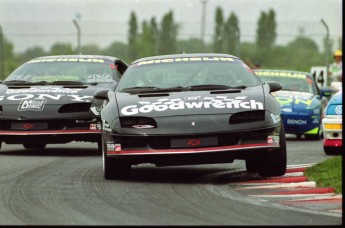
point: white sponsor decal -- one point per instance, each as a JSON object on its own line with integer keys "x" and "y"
{"x": 95, "y": 126}
{"x": 46, "y": 89}
{"x": 273, "y": 139}
{"x": 46, "y": 93}
{"x": 287, "y": 109}
{"x": 218, "y": 102}
{"x": 296, "y": 122}
{"x": 339, "y": 109}
{"x": 111, "y": 147}
{"x": 316, "y": 121}
{"x": 32, "y": 105}
{"x": 20, "y": 97}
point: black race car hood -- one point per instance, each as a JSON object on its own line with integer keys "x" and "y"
{"x": 190, "y": 102}
{"x": 43, "y": 101}
{"x": 49, "y": 94}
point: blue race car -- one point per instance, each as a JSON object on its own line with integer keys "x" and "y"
{"x": 300, "y": 100}
{"x": 332, "y": 124}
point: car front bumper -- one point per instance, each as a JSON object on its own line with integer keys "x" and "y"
{"x": 332, "y": 131}
{"x": 165, "y": 150}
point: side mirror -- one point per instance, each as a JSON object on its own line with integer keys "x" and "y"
{"x": 274, "y": 86}
{"x": 326, "y": 92}
{"x": 102, "y": 95}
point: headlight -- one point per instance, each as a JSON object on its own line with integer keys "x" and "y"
{"x": 97, "y": 108}
{"x": 138, "y": 122}
{"x": 333, "y": 126}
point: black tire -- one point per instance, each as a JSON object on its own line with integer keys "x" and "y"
{"x": 252, "y": 165}
{"x": 273, "y": 163}
{"x": 34, "y": 146}
{"x": 312, "y": 137}
{"x": 114, "y": 168}
{"x": 99, "y": 147}
{"x": 332, "y": 150}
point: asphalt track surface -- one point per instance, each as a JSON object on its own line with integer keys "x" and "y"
{"x": 64, "y": 185}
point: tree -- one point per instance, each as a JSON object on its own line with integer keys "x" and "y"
{"x": 9, "y": 62}
{"x": 271, "y": 28}
{"x": 303, "y": 53}
{"x": 147, "y": 46}
{"x": 231, "y": 35}
{"x": 133, "y": 37}
{"x": 155, "y": 31}
{"x": 118, "y": 50}
{"x": 90, "y": 49}
{"x": 168, "y": 35}
{"x": 218, "y": 37}
{"x": 266, "y": 31}
{"x": 32, "y": 53}
{"x": 61, "y": 49}
{"x": 193, "y": 45}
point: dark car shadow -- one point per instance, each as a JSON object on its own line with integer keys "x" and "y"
{"x": 189, "y": 174}
{"x": 64, "y": 152}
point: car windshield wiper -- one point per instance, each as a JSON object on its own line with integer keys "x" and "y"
{"x": 139, "y": 89}
{"x": 150, "y": 89}
{"x": 67, "y": 83}
{"x": 22, "y": 82}
{"x": 215, "y": 87}
{"x": 19, "y": 82}
{"x": 208, "y": 87}
{"x": 239, "y": 87}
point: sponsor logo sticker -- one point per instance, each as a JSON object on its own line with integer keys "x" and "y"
{"x": 32, "y": 105}
{"x": 113, "y": 148}
{"x": 273, "y": 139}
{"x": 339, "y": 109}
{"x": 296, "y": 122}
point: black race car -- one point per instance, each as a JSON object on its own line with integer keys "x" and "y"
{"x": 191, "y": 109}
{"x": 50, "y": 99}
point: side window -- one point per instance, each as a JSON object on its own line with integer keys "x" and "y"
{"x": 120, "y": 67}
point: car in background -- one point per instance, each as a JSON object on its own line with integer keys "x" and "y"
{"x": 332, "y": 122}
{"x": 190, "y": 109}
{"x": 300, "y": 100}
{"x": 49, "y": 99}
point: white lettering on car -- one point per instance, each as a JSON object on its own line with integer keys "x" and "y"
{"x": 56, "y": 97}
{"x": 219, "y": 102}
{"x": 296, "y": 122}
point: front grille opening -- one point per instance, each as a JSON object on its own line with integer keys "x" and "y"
{"x": 247, "y": 117}
{"x": 164, "y": 142}
{"x": 76, "y": 107}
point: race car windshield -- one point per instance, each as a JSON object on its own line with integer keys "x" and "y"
{"x": 302, "y": 84}
{"x": 63, "y": 73}
{"x": 198, "y": 75}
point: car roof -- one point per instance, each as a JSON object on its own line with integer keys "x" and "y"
{"x": 184, "y": 55}
{"x": 111, "y": 58}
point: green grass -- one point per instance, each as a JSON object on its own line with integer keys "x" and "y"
{"x": 327, "y": 173}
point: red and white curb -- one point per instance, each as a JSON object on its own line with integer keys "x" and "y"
{"x": 292, "y": 189}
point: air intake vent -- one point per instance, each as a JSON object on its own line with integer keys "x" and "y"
{"x": 78, "y": 107}
{"x": 138, "y": 122}
{"x": 247, "y": 117}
